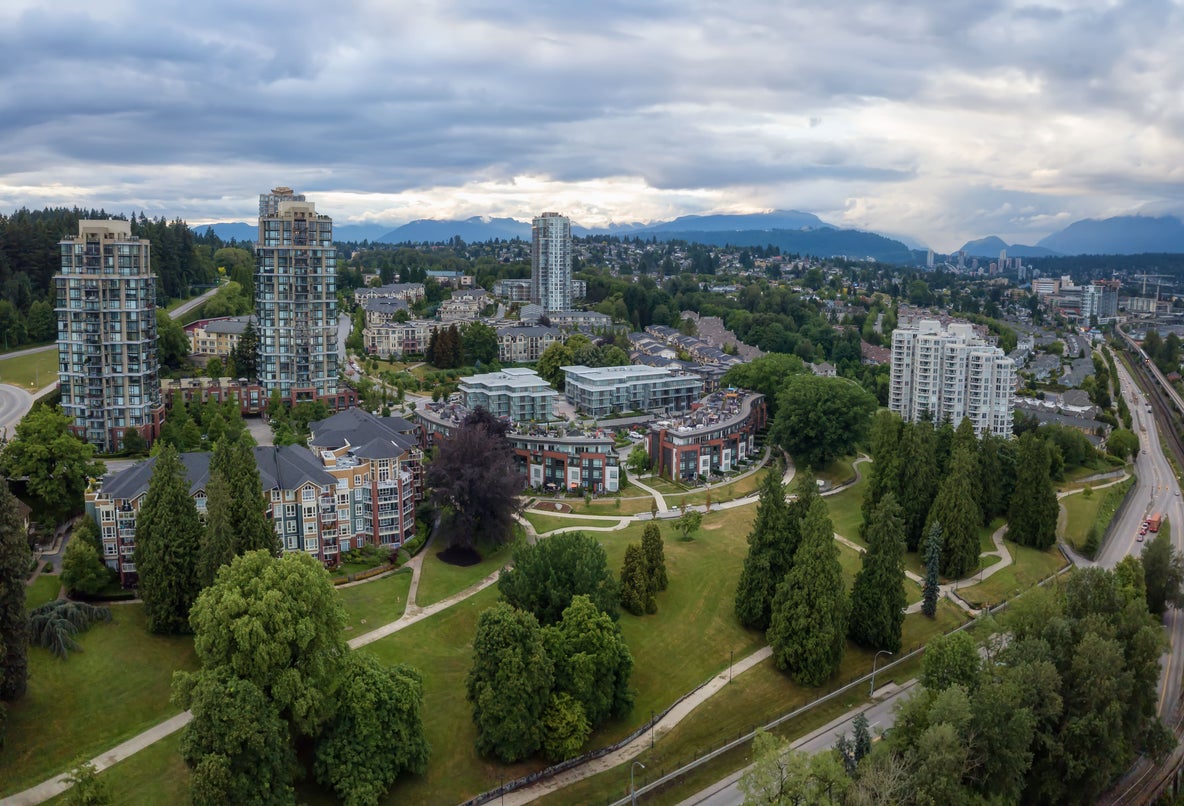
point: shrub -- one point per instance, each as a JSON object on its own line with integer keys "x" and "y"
{"x": 55, "y": 624}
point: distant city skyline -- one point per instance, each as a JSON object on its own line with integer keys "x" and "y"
{"x": 937, "y": 122}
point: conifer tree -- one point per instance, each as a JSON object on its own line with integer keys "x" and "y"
{"x": 885, "y": 466}
{"x": 769, "y": 537}
{"x": 1032, "y": 519}
{"x": 217, "y": 539}
{"x": 808, "y": 627}
{"x": 917, "y": 481}
{"x": 14, "y": 568}
{"x": 956, "y": 509}
{"x": 637, "y": 597}
{"x": 655, "y": 557}
{"x": 168, "y": 537}
{"x": 878, "y": 600}
{"x": 932, "y": 552}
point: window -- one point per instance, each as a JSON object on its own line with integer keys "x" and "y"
{"x": 289, "y": 510}
{"x": 291, "y": 526}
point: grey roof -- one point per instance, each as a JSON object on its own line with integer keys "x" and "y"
{"x": 357, "y": 427}
{"x": 384, "y": 304}
{"x": 528, "y": 330}
{"x": 234, "y": 325}
{"x": 280, "y": 468}
{"x": 378, "y": 449}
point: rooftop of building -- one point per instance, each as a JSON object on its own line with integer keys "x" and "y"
{"x": 384, "y": 305}
{"x": 231, "y": 325}
{"x": 719, "y": 409}
{"x": 622, "y": 373}
{"x": 357, "y": 427}
{"x": 517, "y": 377}
{"x": 527, "y": 330}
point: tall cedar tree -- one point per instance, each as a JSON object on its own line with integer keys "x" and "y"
{"x": 236, "y": 511}
{"x": 1033, "y": 517}
{"x": 545, "y": 576}
{"x": 956, "y": 509}
{"x": 655, "y": 557}
{"x": 474, "y": 481}
{"x": 637, "y": 596}
{"x": 996, "y": 458}
{"x": 808, "y": 628}
{"x": 931, "y": 549}
{"x": 14, "y": 568}
{"x": 916, "y": 488}
{"x": 168, "y": 539}
{"x": 768, "y": 544}
{"x": 885, "y": 467}
{"x": 509, "y": 683}
{"x": 878, "y": 600}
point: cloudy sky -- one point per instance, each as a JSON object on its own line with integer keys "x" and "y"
{"x": 941, "y": 120}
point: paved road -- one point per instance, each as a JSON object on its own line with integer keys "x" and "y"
{"x": 14, "y": 404}
{"x": 28, "y": 351}
{"x": 189, "y": 305}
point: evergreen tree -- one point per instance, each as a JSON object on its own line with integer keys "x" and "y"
{"x": 637, "y": 595}
{"x": 768, "y": 539}
{"x": 808, "y": 627}
{"x": 932, "y": 587}
{"x": 655, "y": 557}
{"x": 217, "y": 539}
{"x": 956, "y": 509}
{"x": 244, "y": 354}
{"x": 14, "y": 568}
{"x": 1033, "y": 517}
{"x": 996, "y": 476}
{"x": 885, "y": 467}
{"x": 878, "y": 600}
{"x": 168, "y": 538}
{"x": 236, "y": 510}
{"x": 916, "y": 488}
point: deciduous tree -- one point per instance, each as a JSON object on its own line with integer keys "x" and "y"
{"x": 56, "y": 463}
{"x": 473, "y": 479}
{"x": 592, "y": 661}
{"x": 168, "y": 535}
{"x": 83, "y": 570}
{"x": 376, "y": 734}
{"x": 545, "y": 577}
{"x": 1163, "y": 571}
{"x": 509, "y": 683}
{"x": 821, "y": 418}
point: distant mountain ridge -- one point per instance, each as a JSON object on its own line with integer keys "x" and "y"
{"x": 990, "y": 247}
{"x": 1120, "y": 235}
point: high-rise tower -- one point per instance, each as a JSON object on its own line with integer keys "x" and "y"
{"x": 550, "y": 262}
{"x": 296, "y": 298}
{"x": 106, "y": 308}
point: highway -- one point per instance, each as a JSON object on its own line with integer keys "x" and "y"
{"x": 14, "y": 404}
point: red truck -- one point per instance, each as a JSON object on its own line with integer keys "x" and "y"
{"x": 1154, "y": 521}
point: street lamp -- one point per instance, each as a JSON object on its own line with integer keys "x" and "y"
{"x": 632, "y": 788}
{"x": 872, "y": 692}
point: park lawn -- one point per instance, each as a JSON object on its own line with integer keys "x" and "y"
{"x": 1029, "y": 567}
{"x": 1081, "y": 513}
{"x": 845, "y": 509}
{"x": 375, "y": 602}
{"x": 753, "y": 698}
{"x": 549, "y": 523}
{"x": 729, "y": 491}
{"x": 82, "y": 706}
{"x": 438, "y": 580}
{"x": 608, "y": 505}
{"x": 838, "y": 471}
{"x": 664, "y": 485}
{"x": 43, "y": 590}
{"x": 152, "y": 776}
{"x": 30, "y": 372}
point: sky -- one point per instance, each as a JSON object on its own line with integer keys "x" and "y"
{"x": 940, "y": 120}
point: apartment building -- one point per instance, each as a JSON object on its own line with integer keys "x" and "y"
{"x": 949, "y": 373}
{"x": 400, "y": 338}
{"x": 713, "y": 439}
{"x": 550, "y": 262}
{"x": 518, "y": 394}
{"x": 296, "y": 299}
{"x": 601, "y": 391}
{"x": 408, "y": 292}
{"x": 383, "y": 310}
{"x": 463, "y": 306}
{"x": 512, "y": 289}
{"x": 521, "y": 343}
{"x": 216, "y": 337}
{"x": 549, "y": 457}
{"x": 106, "y": 310}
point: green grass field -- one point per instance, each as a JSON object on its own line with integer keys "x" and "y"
{"x": 152, "y": 776}
{"x": 439, "y": 580}
{"x": 30, "y": 372}
{"x": 1030, "y": 567}
{"x": 117, "y": 687}
{"x": 845, "y": 508}
{"x": 1082, "y": 512}
{"x": 838, "y": 471}
{"x": 375, "y": 602}
{"x": 44, "y": 589}
{"x": 548, "y": 523}
{"x": 739, "y": 488}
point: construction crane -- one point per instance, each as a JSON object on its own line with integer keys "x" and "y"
{"x": 1159, "y": 278}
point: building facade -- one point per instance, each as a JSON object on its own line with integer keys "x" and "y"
{"x": 713, "y": 439}
{"x": 949, "y": 373}
{"x": 400, "y": 338}
{"x": 517, "y": 394}
{"x": 550, "y": 262}
{"x": 520, "y": 343}
{"x": 296, "y": 298}
{"x": 106, "y": 310}
{"x": 601, "y": 391}
{"x": 408, "y": 292}
{"x": 210, "y": 337}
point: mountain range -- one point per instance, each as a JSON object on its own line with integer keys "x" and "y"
{"x": 792, "y": 231}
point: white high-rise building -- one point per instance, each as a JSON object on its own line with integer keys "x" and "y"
{"x": 550, "y": 262}
{"x": 949, "y": 374}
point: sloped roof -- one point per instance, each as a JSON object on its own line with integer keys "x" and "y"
{"x": 288, "y": 467}
{"x": 356, "y": 427}
{"x": 133, "y": 482}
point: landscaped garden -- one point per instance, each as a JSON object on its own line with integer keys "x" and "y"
{"x": 1029, "y": 566}
{"x": 549, "y": 523}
